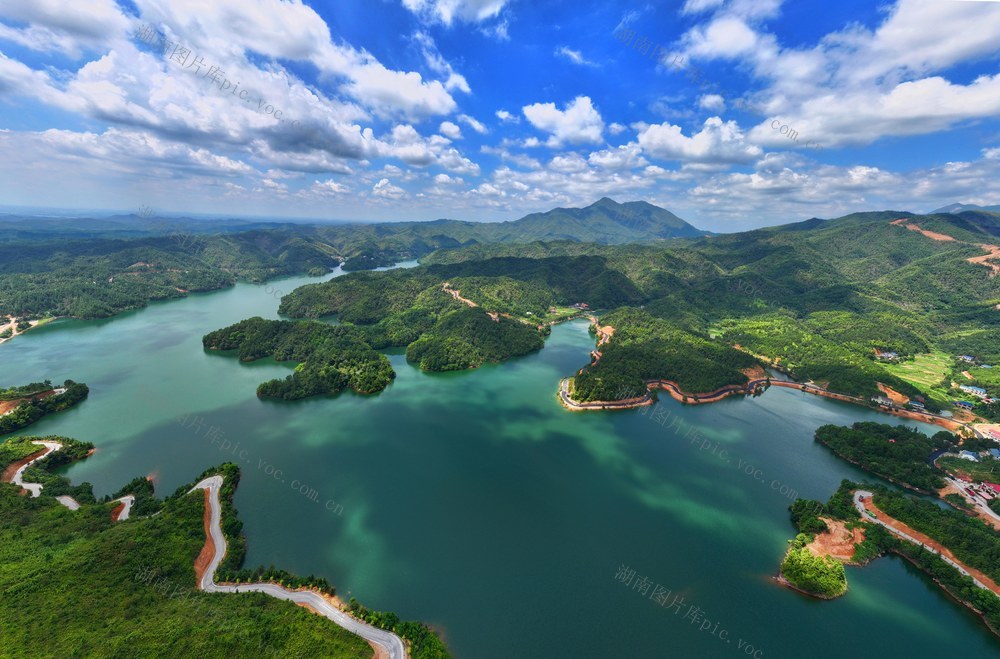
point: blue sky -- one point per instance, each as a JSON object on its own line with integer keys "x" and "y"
{"x": 731, "y": 113}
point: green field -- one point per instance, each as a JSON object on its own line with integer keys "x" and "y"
{"x": 560, "y": 314}
{"x": 989, "y": 378}
{"x": 986, "y": 470}
{"x": 926, "y": 372}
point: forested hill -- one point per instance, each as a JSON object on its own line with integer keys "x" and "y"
{"x": 822, "y": 299}
{"x": 971, "y": 225}
{"x": 64, "y": 275}
{"x": 604, "y": 222}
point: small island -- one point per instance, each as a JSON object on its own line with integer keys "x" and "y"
{"x": 330, "y": 358}
{"x": 441, "y": 328}
{"x": 958, "y": 547}
{"x": 816, "y": 575}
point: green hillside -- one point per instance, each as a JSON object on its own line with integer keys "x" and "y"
{"x": 56, "y": 576}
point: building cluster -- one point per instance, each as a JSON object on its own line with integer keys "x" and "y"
{"x": 978, "y": 392}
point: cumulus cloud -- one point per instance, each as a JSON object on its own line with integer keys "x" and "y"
{"x": 717, "y": 142}
{"x": 507, "y": 117}
{"x": 439, "y": 64}
{"x": 858, "y": 85}
{"x": 53, "y": 25}
{"x": 387, "y": 190}
{"x": 226, "y": 31}
{"x": 450, "y": 130}
{"x": 627, "y": 156}
{"x": 713, "y": 102}
{"x": 578, "y": 123}
{"x": 449, "y": 11}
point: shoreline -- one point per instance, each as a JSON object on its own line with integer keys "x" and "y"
{"x": 783, "y": 581}
{"x": 669, "y": 386}
{"x": 12, "y": 325}
{"x": 751, "y": 388}
{"x": 215, "y": 549}
{"x": 947, "y": 590}
{"x": 863, "y": 500}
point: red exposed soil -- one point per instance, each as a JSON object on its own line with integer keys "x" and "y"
{"x": 205, "y": 557}
{"x": 117, "y": 512}
{"x": 930, "y": 542}
{"x": 837, "y": 541}
{"x": 994, "y": 253}
{"x": 8, "y": 473}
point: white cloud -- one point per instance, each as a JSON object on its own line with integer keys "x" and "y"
{"x": 713, "y": 102}
{"x": 226, "y": 31}
{"x": 698, "y": 6}
{"x": 329, "y": 187}
{"x": 450, "y": 130}
{"x": 753, "y": 9}
{"x": 54, "y": 25}
{"x": 717, "y": 142}
{"x": 574, "y": 56}
{"x": 472, "y": 123}
{"x": 387, "y": 190}
{"x": 858, "y": 85}
{"x": 627, "y": 156}
{"x": 507, "y": 117}
{"x": 439, "y": 65}
{"x": 449, "y": 11}
{"x": 617, "y": 128}
{"x": 723, "y": 37}
{"x": 910, "y": 108}
{"x": 579, "y": 123}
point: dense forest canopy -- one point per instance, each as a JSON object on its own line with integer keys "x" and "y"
{"x": 331, "y": 358}
{"x": 896, "y": 453}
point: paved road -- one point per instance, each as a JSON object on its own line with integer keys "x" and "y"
{"x": 572, "y": 404}
{"x": 866, "y": 515}
{"x": 69, "y": 502}
{"x": 392, "y": 643}
{"x": 35, "y": 488}
{"x": 129, "y": 501}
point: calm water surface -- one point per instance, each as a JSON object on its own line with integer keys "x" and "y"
{"x": 473, "y": 501}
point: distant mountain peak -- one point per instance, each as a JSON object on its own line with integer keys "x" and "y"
{"x": 608, "y": 221}
{"x": 961, "y": 208}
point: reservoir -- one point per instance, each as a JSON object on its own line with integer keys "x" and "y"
{"x": 474, "y": 502}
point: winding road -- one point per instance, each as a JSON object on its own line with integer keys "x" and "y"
{"x": 391, "y": 643}
{"x": 876, "y": 516}
{"x": 34, "y": 488}
{"x": 127, "y": 502}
